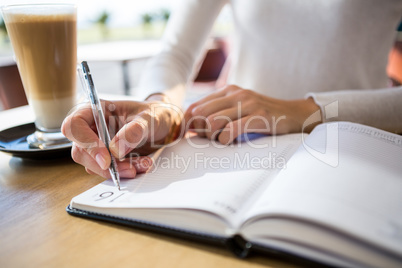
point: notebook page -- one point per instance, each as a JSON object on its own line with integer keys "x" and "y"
{"x": 361, "y": 194}
{"x": 199, "y": 174}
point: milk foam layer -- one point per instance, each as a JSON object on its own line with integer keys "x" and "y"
{"x": 51, "y": 113}
{"x": 43, "y": 12}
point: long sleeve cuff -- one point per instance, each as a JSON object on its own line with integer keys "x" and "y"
{"x": 381, "y": 108}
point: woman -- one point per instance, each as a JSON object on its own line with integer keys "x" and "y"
{"x": 290, "y": 60}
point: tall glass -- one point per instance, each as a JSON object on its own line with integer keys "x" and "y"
{"x": 44, "y": 40}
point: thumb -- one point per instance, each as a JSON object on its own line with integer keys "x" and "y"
{"x": 130, "y": 136}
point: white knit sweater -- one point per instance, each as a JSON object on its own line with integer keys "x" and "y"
{"x": 331, "y": 50}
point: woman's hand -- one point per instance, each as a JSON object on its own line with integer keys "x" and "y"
{"x": 229, "y": 112}
{"x": 137, "y": 128}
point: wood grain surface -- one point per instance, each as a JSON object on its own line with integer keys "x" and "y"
{"x": 36, "y": 231}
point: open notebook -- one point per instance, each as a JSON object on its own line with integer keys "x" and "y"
{"x": 334, "y": 196}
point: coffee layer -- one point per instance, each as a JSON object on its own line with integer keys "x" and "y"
{"x": 46, "y": 50}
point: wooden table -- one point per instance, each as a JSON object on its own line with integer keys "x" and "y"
{"x": 36, "y": 231}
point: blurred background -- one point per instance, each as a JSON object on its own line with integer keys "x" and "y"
{"x": 118, "y": 37}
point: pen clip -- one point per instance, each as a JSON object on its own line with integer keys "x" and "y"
{"x": 86, "y": 73}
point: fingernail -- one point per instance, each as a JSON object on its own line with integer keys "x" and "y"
{"x": 113, "y": 148}
{"x": 127, "y": 173}
{"x": 118, "y": 152}
{"x": 115, "y": 151}
{"x": 101, "y": 161}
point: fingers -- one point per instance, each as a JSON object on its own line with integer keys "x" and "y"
{"x": 92, "y": 153}
{"x": 202, "y": 113}
{"x": 211, "y": 114}
{"x": 82, "y": 157}
{"x": 232, "y": 111}
{"x": 198, "y": 116}
{"x": 132, "y": 135}
{"x": 197, "y": 113}
{"x": 217, "y": 121}
{"x": 147, "y": 130}
{"x": 78, "y": 128}
{"x": 212, "y": 96}
{"x": 127, "y": 168}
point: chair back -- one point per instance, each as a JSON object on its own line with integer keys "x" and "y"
{"x": 11, "y": 90}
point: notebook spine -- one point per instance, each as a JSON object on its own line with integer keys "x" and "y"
{"x": 239, "y": 246}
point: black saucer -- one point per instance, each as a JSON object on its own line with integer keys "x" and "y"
{"x": 14, "y": 141}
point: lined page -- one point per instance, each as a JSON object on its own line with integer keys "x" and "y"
{"x": 199, "y": 174}
{"x": 353, "y": 183}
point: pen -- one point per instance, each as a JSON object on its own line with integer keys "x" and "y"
{"x": 88, "y": 84}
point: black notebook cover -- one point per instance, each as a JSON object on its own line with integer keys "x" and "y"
{"x": 236, "y": 244}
